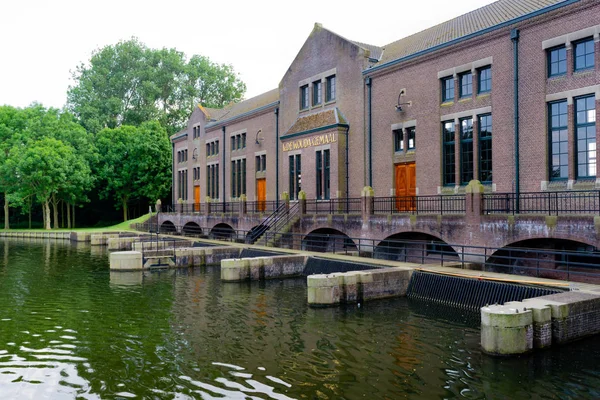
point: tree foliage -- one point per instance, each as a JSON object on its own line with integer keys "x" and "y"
{"x": 129, "y": 83}
{"x": 135, "y": 163}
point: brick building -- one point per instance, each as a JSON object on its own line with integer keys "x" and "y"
{"x": 506, "y": 94}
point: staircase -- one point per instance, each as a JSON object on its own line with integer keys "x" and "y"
{"x": 270, "y": 232}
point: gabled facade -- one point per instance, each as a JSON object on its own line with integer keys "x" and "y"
{"x": 506, "y": 94}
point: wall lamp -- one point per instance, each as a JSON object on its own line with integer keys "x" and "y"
{"x": 400, "y": 104}
{"x": 258, "y": 140}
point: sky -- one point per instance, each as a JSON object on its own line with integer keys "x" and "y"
{"x": 42, "y": 42}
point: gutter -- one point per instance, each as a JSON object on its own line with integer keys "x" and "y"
{"x": 368, "y": 82}
{"x": 514, "y": 36}
{"x": 224, "y": 187}
{"x": 277, "y": 157}
{"x": 471, "y": 35}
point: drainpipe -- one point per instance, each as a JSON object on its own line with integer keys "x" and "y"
{"x": 368, "y": 82}
{"x": 277, "y": 157}
{"x": 174, "y": 201}
{"x": 347, "y": 172}
{"x": 224, "y": 187}
{"x": 514, "y": 36}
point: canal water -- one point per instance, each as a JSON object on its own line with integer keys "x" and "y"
{"x": 71, "y": 329}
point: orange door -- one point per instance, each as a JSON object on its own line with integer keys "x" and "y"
{"x": 197, "y": 198}
{"x": 261, "y": 194}
{"x": 406, "y": 186}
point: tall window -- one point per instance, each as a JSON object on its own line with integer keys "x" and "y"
{"x": 485, "y": 148}
{"x": 238, "y": 178}
{"x": 410, "y": 136}
{"x": 466, "y": 150}
{"x": 317, "y": 93}
{"x": 448, "y": 89}
{"x": 398, "y": 140}
{"x": 557, "y": 61}
{"x": 448, "y": 158}
{"x": 330, "y": 88}
{"x": 584, "y": 54}
{"x": 466, "y": 84}
{"x": 585, "y": 125}
{"x": 559, "y": 147}
{"x": 261, "y": 163}
{"x": 485, "y": 80}
{"x": 304, "y": 97}
{"x": 323, "y": 177}
{"x": 295, "y": 174}
{"x": 212, "y": 181}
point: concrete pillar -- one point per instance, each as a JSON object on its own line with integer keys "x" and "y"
{"x": 302, "y": 202}
{"x": 506, "y": 330}
{"x": 208, "y": 206}
{"x": 368, "y": 204}
{"x": 243, "y": 206}
{"x": 235, "y": 270}
{"x": 474, "y": 201}
{"x": 542, "y": 320}
{"x": 126, "y": 260}
{"x": 324, "y": 290}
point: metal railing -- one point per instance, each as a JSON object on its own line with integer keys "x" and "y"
{"x": 583, "y": 266}
{"x": 547, "y": 203}
{"x": 451, "y": 204}
{"x": 334, "y": 206}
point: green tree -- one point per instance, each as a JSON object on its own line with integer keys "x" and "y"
{"x": 44, "y": 167}
{"x": 129, "y": 83}
{"x": 12, "y": 123}
{"x": 134, "y": 163}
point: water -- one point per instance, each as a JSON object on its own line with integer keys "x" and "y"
{"x": 70, "y": 329}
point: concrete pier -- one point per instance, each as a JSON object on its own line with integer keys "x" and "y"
{"x": 241, "y": 269}
{"x": 126, "y": 261}
{"x": 520, "y": 326}
{"x": 357, "y": 286}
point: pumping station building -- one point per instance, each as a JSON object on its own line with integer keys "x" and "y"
{"x": 479, "y": 132}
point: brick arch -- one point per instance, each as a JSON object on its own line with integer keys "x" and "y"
{"x": 415, "y": 246}
{"x": 328, "y": 239}
{"x": 554, "y": 258}
{"x": 168, "y": 226}
{"x": 191, "y": 229}
{"x": 513, "y": 242}
{"x": 222, "y": 231}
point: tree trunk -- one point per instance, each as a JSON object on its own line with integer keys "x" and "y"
{"x": 43, "y": 215}
{"x": 68, "y": 215}
{"x": 47, "y": 215}
{"x": 62, "y": 214}
{"x": 124, "y": 209}
{"x": 73, "y": 216}
{"x": 6, "y": 213}
{"x": 55, "y": 209}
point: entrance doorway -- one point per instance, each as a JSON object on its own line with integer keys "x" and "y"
{"x": 406, "y": 186}
{"x": 261, "y": 194}
{"x": 197, "y": 198}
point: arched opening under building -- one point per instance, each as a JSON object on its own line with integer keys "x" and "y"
{"x": 222, "y": 232}
{"x": 192, "y": 229}
{"x": 328, "y": 240}
{"x": 415, "y": 247}
{"x": 548, "y": 258}
{"x": 168, "y": 227}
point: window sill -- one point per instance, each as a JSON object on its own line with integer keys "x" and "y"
{"x": 483, "y": 95}
{"x": 584, "y": 72}
{"x": 465, "y": 99}
{"x": 329, "y": 102}
{"x": 447, "y": 103}
{"x": 557, "y": 77}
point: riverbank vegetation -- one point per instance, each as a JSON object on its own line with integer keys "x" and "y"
{"x": 109, "y": 147}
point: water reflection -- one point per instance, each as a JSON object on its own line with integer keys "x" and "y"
{"x": 71, "y": 329}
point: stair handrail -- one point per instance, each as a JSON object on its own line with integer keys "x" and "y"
{"x": 282, "y": 213}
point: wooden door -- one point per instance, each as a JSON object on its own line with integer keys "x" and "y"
{"x": 261, "y": 194}
{"x": 197, "y": 198}
{"x": 406, "y": 186}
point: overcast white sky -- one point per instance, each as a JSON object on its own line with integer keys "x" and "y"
{"x": 41, "y": 41}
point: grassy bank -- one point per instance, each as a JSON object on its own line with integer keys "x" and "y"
{"x": 123, "y": 226}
